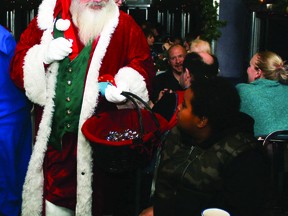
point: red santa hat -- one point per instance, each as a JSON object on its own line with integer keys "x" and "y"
{"x": 63, "y": 6}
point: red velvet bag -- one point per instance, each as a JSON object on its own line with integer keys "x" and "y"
{"x": 129, "y": 154}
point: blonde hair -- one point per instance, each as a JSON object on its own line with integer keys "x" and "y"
{"x": 199, "y": 45}
{"x": 272, "y": 66}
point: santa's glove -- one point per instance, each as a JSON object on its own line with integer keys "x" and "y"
{"x": 57, "y": 50}
{"x": 113, "y": 94}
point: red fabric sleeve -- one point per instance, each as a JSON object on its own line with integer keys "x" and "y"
{"x": 128, "y": 47}
{"x": 31, "y": 36}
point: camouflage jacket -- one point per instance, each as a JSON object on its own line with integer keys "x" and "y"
{"x": 194, "y": 178}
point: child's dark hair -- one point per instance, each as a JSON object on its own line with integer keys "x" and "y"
{"x": 198, "y": 68}
{"x": 216, "y": 99}
{"x": 148, "y": 32}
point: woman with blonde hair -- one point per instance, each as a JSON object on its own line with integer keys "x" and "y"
{"x": 265, "y": 97}
{"x": 267, "y": 65}
{"x": 199, "y": 45}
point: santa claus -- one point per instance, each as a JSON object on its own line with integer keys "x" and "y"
{"x": 70, "y": 54}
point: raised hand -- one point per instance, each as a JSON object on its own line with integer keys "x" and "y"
{"x": 57, "y": 50}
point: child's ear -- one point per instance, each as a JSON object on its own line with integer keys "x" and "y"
{"x": 203, "y": 122}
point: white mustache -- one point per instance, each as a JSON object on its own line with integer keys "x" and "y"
{"x": 101, "y": 4}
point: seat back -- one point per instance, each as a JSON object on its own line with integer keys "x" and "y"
{"x": 276, "y": 145}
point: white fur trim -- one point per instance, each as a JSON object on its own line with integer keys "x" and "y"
{"x": 34, "y": 76}
{"x": 34, "y": 71}
{"x": 40, "y": 88}
{"x": 45, "y": 16}
{"x": 52, "y": 210}
{"x": 63, "y": 24}
{"x": 135, "y": 82}
{"x": 84, "y": 163}
{"x": 33, "y": 186}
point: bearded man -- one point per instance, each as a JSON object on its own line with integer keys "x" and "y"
{"x": 69, "y": 54}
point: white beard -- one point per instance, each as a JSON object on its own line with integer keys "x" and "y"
{"x": 91, "y": 22}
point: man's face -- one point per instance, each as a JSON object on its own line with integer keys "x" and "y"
{"x": 176, "y": 58}
{"x": 186, "y": 120}
{"x": 90, "y": 17}
{"x": 94, "y": 4}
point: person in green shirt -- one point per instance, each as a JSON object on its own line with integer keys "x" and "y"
{"x": 264, "y": 98}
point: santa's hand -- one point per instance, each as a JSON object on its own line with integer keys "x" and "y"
{"x": 57, "y": 50}
{"x": 113, "y": 94}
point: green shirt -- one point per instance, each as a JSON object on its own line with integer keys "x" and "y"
{"x": 266, "y": 101}
{"x": 69, "y": 94}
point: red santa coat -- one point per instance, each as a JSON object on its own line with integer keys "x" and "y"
{"x": 121, "y": 51}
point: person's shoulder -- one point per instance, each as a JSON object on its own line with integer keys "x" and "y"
{"x": 4, "y": 31}
{"x": 237, "y": 143}
{"x": 246, "y": 88}
{"x": 176, "y": 139}
{"x": 128, "y": 24}
{"x": 5, "y": 34}
{"x": 161, "y": 76}
{"x": 123, "y": 16}
{"x": 7, "y": 41}
{"x": 242, "y": 86}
